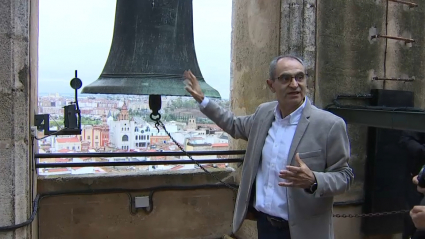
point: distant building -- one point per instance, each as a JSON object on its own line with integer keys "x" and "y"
{"x": 71, "y": 143}
{"x": 224, "y": 138}
{"x": 191, "y": 125}
{"x": 220, "y": 147}
{"x": 159, "y": 139}
{"x": 125, "y": 134}
{"x": 96, "y": 135}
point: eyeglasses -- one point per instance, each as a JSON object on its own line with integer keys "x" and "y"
{"x": 286, "y": 78}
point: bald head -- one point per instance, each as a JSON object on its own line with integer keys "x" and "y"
{"x": 273, "y": 64}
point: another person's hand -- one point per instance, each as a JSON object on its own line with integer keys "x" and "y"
{"x": 300, "y": 177}
{"x": 192, "y": 86}
{"x": 418, "y": 216}
{"x": 415, "y": 181}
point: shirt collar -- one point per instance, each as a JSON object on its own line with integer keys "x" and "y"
{"x": 294, "y": 117}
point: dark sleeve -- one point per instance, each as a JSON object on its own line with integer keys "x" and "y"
{"x": 412, "y": 143}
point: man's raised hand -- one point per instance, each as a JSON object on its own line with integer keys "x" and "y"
{"x": 192, "y": 86}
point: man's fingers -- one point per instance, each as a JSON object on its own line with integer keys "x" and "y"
{"x": 288, "y": 177}
{"x": 291, "y": 175}
{"x": 415, "y": 180}
{"x": 286, "y": 184}
{"x": 299, "y": 161}
{"x": 190, "y": 90}
{"x": 191, "y": 78}
{"x": 192, "y": 86}
{"x": 186, "y": 75}
{"x": 293, "y": 169}
{"x": 292, "y": 184}
{"x": 417, "y": 209}
{"x": 192, "y": 75}
{"x": 413, "y": 213}
{"x": 187, "y": 82}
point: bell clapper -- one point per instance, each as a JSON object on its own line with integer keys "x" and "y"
{"x": 155, "y": 106}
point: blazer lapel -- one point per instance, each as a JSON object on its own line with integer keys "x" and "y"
{"x": 299, "y": 132}
{"x": 263, "y": 132}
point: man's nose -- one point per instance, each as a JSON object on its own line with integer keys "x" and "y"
{"x": 293, "y": 83}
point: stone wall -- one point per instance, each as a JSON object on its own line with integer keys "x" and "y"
{"x": 347, "y": 59}
{"x": 334, "y": 38}
{"x": 177, "y": 213}
{"x": 255, "y": 41}
{"x": 18, "y": 78}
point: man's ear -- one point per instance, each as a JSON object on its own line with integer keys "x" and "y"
{"x": 270, "y": 84}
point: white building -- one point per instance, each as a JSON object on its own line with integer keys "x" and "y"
{"x": 122, "y": 132}
{"x": 141, "y": 136}
{"x": 126, "y": 134}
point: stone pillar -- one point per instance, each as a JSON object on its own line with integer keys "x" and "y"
{"x": 255, "y": 41}
{"x": 18, "y": 97}
{"x": 347, "y": 59}
{"x": 334, "y": 39}
{"x": 298, "y": 35}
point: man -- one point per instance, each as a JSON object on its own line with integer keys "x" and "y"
{"x": 296, "y": 159}
{"x": 413, "y": 144}
{"x": 418, "y": 213}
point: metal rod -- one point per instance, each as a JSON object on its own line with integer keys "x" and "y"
{"x": 137, "y": 154}
{"x": 393, "y": 79}
{"x": 410, "y": 4}
{"x": 407, "y": 40}
{"x": 349, "y": 203}
{"x": 134, "y": 163}
{"x": 358, "y": 96}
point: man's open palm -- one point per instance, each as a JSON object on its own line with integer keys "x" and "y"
{"x": 192, "y": 86}
{"x": 300, "y": 177}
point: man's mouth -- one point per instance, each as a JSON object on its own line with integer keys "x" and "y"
{"x": 293, "y": 93}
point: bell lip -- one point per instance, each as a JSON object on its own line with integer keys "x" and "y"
{"x": 106, "y": 86}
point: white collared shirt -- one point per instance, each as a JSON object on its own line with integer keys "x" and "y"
{"x": 271, "y": 198}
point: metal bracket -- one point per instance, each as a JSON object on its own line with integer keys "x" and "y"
{"x": 389, "y": 119}
{"x": 72, "y": 116}
{"x": 42, "y": 122}
{"x": 406, "y": 40}
{"x": 394, "y": 79}
{"x": 410, "y": 4}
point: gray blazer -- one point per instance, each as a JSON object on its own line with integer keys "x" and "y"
{"x": 322, "y": 143}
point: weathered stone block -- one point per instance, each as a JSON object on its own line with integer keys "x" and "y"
{"x": 6, "y": 117}
{"x": 5, "y": 63}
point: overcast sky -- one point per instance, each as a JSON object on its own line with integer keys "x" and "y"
{"x": 77, "y": 34}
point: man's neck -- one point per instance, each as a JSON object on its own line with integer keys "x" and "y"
{"x": 285, "y": 111}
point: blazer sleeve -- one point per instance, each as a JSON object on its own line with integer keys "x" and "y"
{"x": 237, "y": 127}
{"x": 338, "y": 176}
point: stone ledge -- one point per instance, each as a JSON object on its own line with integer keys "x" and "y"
{"x": 132, "y": 180}
{"x": 192, "y": 213}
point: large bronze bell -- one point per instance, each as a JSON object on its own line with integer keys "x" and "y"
{"x": 151, "y": 47}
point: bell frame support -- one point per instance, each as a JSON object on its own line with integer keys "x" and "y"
{"x": 399, "y": 120}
